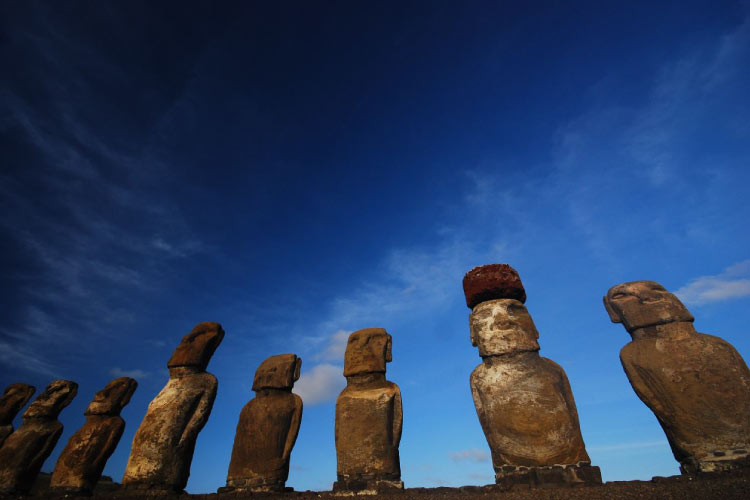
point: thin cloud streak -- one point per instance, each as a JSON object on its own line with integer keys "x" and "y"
{"x": 732, "y": 283}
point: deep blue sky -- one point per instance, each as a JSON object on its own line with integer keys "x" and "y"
{"x": 300, "y": 170}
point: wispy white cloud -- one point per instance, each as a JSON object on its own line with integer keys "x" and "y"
{"x": 336, "y": 347}
{"x": 474, "y": 455}
{"x": 732, "y": 283}
{"x": 321, "y": 384}
{"x": 136, "y": 374}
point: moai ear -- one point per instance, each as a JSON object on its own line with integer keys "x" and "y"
{"x": 388, "y": 349}
{"x": 297, "y": 368}
{"x": 613, "y": 316}
{"x": 471, "y": 334}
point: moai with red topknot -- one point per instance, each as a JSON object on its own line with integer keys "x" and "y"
{"x": 14, "y": 397}
{"x": 368, "y": 418}
{"x": 267, "y": 429}
{"x": 523, "y": 400}
{"x": 697, "y": 385}
{"x": 24, "y": 452}
{"x": 81, "y": 463}
{"x": 163, "y": 446}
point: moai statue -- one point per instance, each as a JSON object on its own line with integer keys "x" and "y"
{"x": 267, "y": 429}
{"x": 697, "y": 385}
{"x": 24, "y": 452}
{"x": 81, "y": 463}
{"x": 523, "y": 400}
{"x": 368, "y": 417}
{"x": 164, "y": 443}
{"x": 14, "y": 397}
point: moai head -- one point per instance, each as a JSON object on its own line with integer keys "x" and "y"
{"x": 367, "y": 351}
{"x": 197, "y": 347}
{"x": 278, "y": 372}
{"x": 14, "y": 397}
{"x": 113, "y": 398}
{"x": 51, "y": 402}
{"x": 638, "y": 304}
{"x": 502, "y": 326}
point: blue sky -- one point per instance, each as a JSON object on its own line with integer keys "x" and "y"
{"x": 303, "y": 170}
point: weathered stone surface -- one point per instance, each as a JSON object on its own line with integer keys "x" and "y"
{"x": 164, "y": 443}
{"x": 14, "y": 397}
{"x": 81, "y": 463}
{"x": 697, "y": 385}
{"x": 524, "y": 402}
{"x": 493, "y": 281}
{"x": 267, "y": 429}
{"x": 24, "y": 452}
{"x": 369, "y": 417}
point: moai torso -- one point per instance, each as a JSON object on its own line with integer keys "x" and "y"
{"x": 14, "y": 398}
{"x": 24, "y": 452}
{"x": 81, "y": 463}
{"x": 368, "y": 417}
{"x": 267, "y": 429}
{"x": 697, "y": 385}
{"x": 164, "y": 443}
{"x": 523, "y": 401}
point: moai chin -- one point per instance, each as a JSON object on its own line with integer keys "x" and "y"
{"x": 267, "y": 429}
{"x": 697, "y": 385}
{"x": 368, "y": 418}
{"x": 164, "y": 443}
{"x": 24, "y": 452}
{"x": 13, "y": 399}
{"x": 81, "y": 463}
{"x": 523, "y": 401}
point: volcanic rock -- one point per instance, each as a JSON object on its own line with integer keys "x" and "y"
{"x": 14, "y": 398}
{"x": 492, "y": 281}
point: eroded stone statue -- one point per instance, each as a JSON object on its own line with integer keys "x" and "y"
{"x": 81, "y": 463}
{"x": 24, "y": 452}
{"x": 14, "y": 398}
{"x": 524, "y": 401}
{"x": 267, "y": 429}
{"x": 368, "y": 417}
{"x": 697, "y": 385}
{"x": 164, "y": 443}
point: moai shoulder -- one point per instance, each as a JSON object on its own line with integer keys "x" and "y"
{"x": 163, "y": 446}
{"x": 24, "y": 452}
{"x": 267, "y": 428}
{"x": 523, "y": 401}
{"x": 369, "y": 417}
{"x": 81, "y": 463}
{"x": 697, "y": 385}
{"x": 14, "y": 398}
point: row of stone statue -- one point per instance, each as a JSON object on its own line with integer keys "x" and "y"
{"x": 697, "y": 385}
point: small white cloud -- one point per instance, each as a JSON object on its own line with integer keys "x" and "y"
{"x": 475, "y": 455}
{"x": 119, "y": 372}
{"x": 336, "y": 347}
{"x": 321, "y": 384}
{"x": 733, "y": 283}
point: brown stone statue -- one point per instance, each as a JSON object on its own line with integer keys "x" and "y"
{"x": 368, "y": 417}
{"x": 81, "y": 463}
{"x": 697, "y": 385}
{"x": 164, "y": 443}
{"x": 14, "y": 397}
{"x": 267, "y": 429}
{"x": 24, "y": 452}
{"x": 523, "y": 400}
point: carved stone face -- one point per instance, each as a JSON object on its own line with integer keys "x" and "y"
{"x": 14, "y": 397}
{"x": 197, "y": 347}
{"x": 367, "y": 351}
{"x": 278, "y": 372}
{"x": 51, "y": 402}
{"x": 638, "y": 304}
{"x": 113, "y": 398}
{"x": 502, "y": 326}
